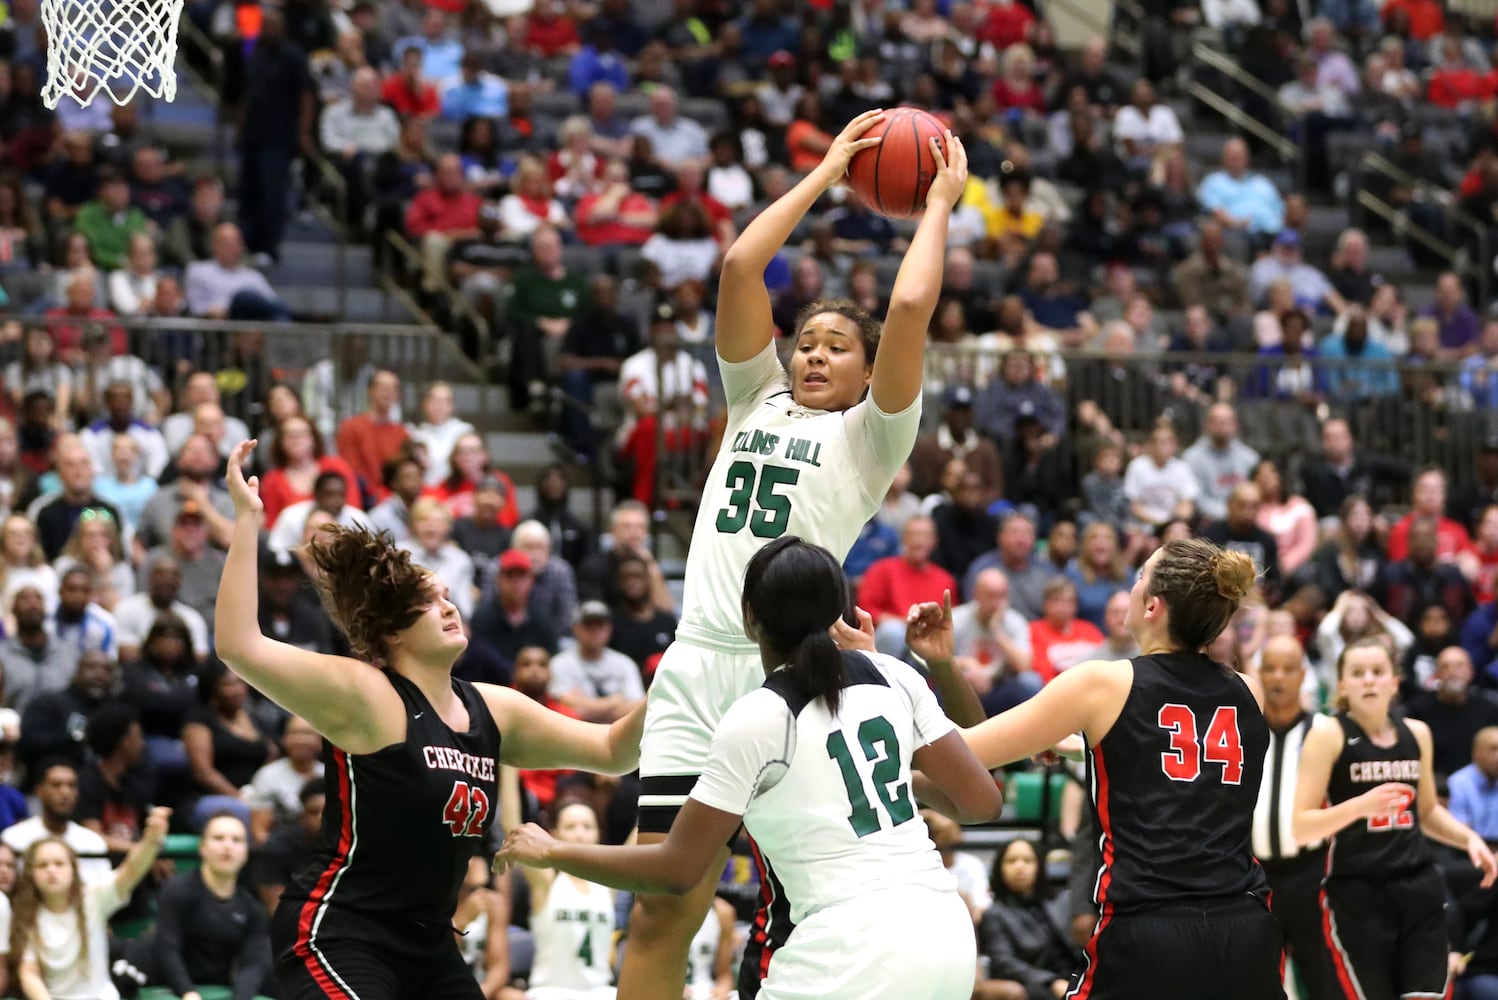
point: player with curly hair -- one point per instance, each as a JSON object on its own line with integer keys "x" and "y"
{"x": 412, "y": 760}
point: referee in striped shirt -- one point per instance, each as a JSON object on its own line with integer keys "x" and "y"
{"x": 1294, "y": 872}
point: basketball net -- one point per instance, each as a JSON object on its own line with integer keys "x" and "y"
{"x": 115, "y": 46}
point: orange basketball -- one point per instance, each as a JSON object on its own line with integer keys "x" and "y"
{"x": 893, "y": 177}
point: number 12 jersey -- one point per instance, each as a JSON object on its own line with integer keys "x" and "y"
{"x": 783, "y": 468}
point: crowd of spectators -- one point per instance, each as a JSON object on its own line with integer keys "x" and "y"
{"x": 557, "y": 180}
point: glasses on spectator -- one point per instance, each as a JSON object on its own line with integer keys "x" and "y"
{"x": 95, "y": 514}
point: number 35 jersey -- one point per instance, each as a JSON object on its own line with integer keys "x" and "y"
{"x": 828, "y": 799}
{"x": 783, "y": 469}
{"x": 398, "y": 830}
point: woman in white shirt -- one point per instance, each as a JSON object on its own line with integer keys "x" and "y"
{"x": 438, "y": 432}
{"x": 530, "y": 205}
{"x": 1143, "y": 128}
{"x": 59, "y": 930}
{"x": 132, "y": 288}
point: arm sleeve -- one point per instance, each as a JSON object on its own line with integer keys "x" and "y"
{"x": 748, "y": 382}
{"x": 881, "y": 442}
{"x": 171, "y": 930}
{"x": 751, "y": 748}
{"x": 252, "y": 966}
{"x": 931, "y": 724}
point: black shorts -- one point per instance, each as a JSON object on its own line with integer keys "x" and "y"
{"x": 1209, "y": 949}
{"x": 1387, "y": 936}
{"x": 340, "y": 969}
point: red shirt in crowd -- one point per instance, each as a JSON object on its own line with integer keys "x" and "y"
{"x": 1007, "y": 23}
{"x": 1053, "y": 650}
{"x": 1031, "y": 98}
{"x": 457, "y": 496}
{"x": 406, "y": 100}
{"x": 1451, "y": 539}
{"x": 892, "y": 585}
{"x": 436, "y": 211}
{"x": 69, "y": 338}
{"x": 367, "y": 444}
{"x": 613, "y": 232}
{"x": 277, "y": 493}
{"x": 550, "y": 36}
{"x": 1427, "y": 20}
{"x": 1451, "y": 88}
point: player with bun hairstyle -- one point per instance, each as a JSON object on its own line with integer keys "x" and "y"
{"x": 1367, "y": 782}
{"x": 1175, "y": 745}
{"x": 815, "y": 764}
{"x": 411, "y": 761}
{"x": 809, "y": 451}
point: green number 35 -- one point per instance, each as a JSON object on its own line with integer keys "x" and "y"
{"x": 768, "y": 513}
{"x": 872, "y": 733}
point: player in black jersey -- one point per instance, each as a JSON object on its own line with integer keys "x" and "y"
{"x": 1175, "y": 745}
{"x": 1367, "y": 782}
{"x": 411, "y": 761}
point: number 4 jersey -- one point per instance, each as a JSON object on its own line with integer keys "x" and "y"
{"x": 1174, "y": 783}
{"x": 783, "y": 469}
{"x": 398, "y": 831}
{"x": 827, "y": 799}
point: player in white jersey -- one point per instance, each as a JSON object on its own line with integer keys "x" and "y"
{"x": 572, "y": 921}
{"x": 809, "y": 452}
{"x": 710, "y": 960}
{"x": 816, "y": 764}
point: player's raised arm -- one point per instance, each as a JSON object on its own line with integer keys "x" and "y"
{"x": 335, "y": 694}
{"x": 744, "y": 325}
{"x": 900, "y": 364}
{"x": 1075, "y": 701}
{"x": 537, "y": 737}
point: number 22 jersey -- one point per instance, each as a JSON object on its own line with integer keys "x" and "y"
{"x": 1174, "y": 784}
{"x": 783, "y": 469}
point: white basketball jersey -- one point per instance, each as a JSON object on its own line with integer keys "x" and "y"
{"x": 826, "y": 798}
{"x": 574, "y": 935}
{"x": 702, "y": 958}
{"x": 782, "y": 469}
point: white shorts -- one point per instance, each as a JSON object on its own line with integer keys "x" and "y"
{"x": 564, "y": 993}
{"x": 907, "y": 943}
{"x": 692, "y": 689}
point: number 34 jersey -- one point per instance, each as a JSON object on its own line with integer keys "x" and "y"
{"x": 828, "y": 799}
{"x": 783, "y": 469}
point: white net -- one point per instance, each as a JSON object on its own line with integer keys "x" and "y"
{"x": 115, "y": 46}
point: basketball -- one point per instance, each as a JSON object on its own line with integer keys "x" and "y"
{"x": 893, "y": 177}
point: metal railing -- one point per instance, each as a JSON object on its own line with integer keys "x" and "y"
{"x": 1118, "y": 32}
{"x": 399, "y": 247}
{"x": 1289, "y": 153}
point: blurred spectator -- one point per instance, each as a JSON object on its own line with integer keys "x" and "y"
{"x": 297, "y": 460}
{"x": 1016, "y": 90}
{"x": 224, "y": 287}
{"x": 472, "y": 469}
{"x": 276, "y": 122}
{"x": 1105, "y": 92}
{"x": 530, "y": 204}
{"x": 132, "y": 286}
{"x": 549, "y": 30}
{"x": 408, "y": 91}
{"x": 1289, "y": 519}
{"x": 1455, "y": 711}
{"x": 1458, "y": 322}
{"x": 40, "y": 370}
{"x": 354, "y": 131}
{"x": 290, "y": 848}
{"x": 598, "y": 61}
{"x": 1419, "y": 578}
{"x": 506, "y": 623}
{"x": 137, "y": 614}
{"x": 118, "y": 419}
{"x": 200, "y": 389}
{"x": 72, "y": 180}
{"x": 1309, "y": 288}
{"x": 1058, "y": 638}
{"x": 664, "y": 390}
{"x": 673, "y": 139}
{"x": 440, "y": 430}
{"x": 1118, "y": 643}
{"x": 1143, "y": 128}
{"x": 1349, "y": 272}
{"x": 571, "y": 539}
{"x": 1238, "y": 530}
{"x": 441, "y": 53}
{"x": 114, "y": 788}
{"x": 475, "y": 92}
{"x": 99, "y": 368}
{"x": 893, "y": 585}
{"x": 224, "y": 746}
{"x": 1018, "y": 391}
{"x": 1430, "y": 495}
{"x": 197, "y": 480}
{"x": 1219, "y": 461}
{"x": 480, "y": 529}
{"x": 162, "y": 685}
{"x": 34, "y": 662}
{"x": 200, "y": 564}
{"x": 368, "y": 440}
{"x": 22, "y": 244}
{"x": 1239, "y": 199}
{"x": 123, "y": 484}
{"x": 96, "y": 545}
{"x": 78, "y": 620}
{"x": 964, "y": 526}
{"x": 547, "y": 296}
{"x": 1474, "y": 787}
{"x": 629, "y": 532}
{"x": 55, "y": 514}
{"x": 554, "y": 596}
{"x": 641, "y": 630}
{"x": 1349, "y": 384}
{"x": 593, "y": 351}
{"x": 612, "y": 213}
{"x": 1024, "y": 933}
{"x": 1353, "y": 616}
{"x": 1161, "y": 487}
{"x": 1015, "y": 558}
{"x": 1342, "y": 471}
{"x": 56, "y": 790}
{"x": 110, "y": 221}
{"x": 1099, "y": 571}
{"x": 71, "y": 321}
{"x": 157, "y": 189}
{"x": 289, "y": 611}
{"x": 612, "y": 138}
{"x": 991, "y": 643}
{"x": 330, "y": 497}
{"x": 440, "y": 214}
{"x": 54, "y": 722}
{"x": 593, "y": 680}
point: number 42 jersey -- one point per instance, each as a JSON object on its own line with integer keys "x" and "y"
{"x": 783, "y": 469}
{"x": 827, "y": 798}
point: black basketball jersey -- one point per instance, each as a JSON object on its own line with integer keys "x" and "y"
{"x": 1379, "y": 845}
{"x": 1174, "y": 784}
{"x": 398, "y": 830}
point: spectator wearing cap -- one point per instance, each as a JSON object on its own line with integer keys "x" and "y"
{"x": 289, "y": 609}
{"x": 956, "y": 437}
{"x": 109, "y": 221}
{"x": 1309, "y": 287}
{"x": 33, "y": 660}
{"x": 664, "y": 390}
{"x": 1239, "y": 198}
{"x": 201, "y": 565}
{"x": 1219, "y": 461}
{"x": 119, "y": 419}
{"x": 779, "y": 94}
{"x": 431, "y": 547}
{"x": 329, "y": 495}
{"x": 554, "y": 596}
{"x": 505, "y": 623}
{"x": 598, "y": 683}
{"x": 892, "y": 585}
{"x": 368, "y": 440}
{"x": 674, "y": 139}
{"x": 1458, "y": 321}
{"x": 136, "y": 614}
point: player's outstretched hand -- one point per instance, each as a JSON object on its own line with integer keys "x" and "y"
{"x": 1482, "y": 859}
{"x": 928, "y": 630}
{"x": 849, "y": 141}
{"x": 525, "y": 845}
{"x": 951, "y": 173}
{"x": 244, "y": 492}
{"x": 848, "y": 637}
{"x": 157, "y": 824}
